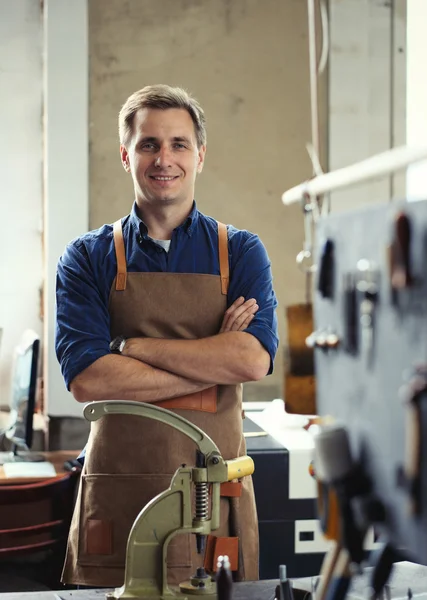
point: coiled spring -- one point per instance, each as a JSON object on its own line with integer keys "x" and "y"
{"x": 202, "y": 501}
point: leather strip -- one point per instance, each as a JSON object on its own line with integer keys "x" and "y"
{"x": 99, "y": 537}
{"x": 205, "y": 401}
{"x": 220, "y": 546}
{"x": 119, "y": 247}
{"x": 224, "y": 268}
{"x": 231, "y": 489}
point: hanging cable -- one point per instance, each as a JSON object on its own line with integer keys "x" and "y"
{"x": 316, "y": 68}
{"x": 313, "y": 76}
{"x": 324, "y": 19}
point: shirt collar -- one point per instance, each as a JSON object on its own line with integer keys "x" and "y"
{"x": 188, "y": 225}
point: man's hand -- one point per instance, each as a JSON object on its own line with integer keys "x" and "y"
{"x": 238, "y": 316}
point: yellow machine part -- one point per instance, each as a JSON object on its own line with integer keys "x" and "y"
{"x": 240, "y": 467}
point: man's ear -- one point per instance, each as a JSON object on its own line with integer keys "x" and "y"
{"x": 201, "y": 158}
{"x": 125, "y": 158}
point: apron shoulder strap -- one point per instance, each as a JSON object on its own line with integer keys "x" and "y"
{"x": 119, "y": 246}
{"x": 224, "y": 268}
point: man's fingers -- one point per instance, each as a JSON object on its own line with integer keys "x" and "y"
{"x": 234, "y": 310}
{"x": 228, "y": 315}
{"x": 240, "y": 310}
{"x": 246, "y": 307}
{"x": 237, "y": 314}
{"x": 235, "y": 304}
{"x": 246, "y": 323}
{"x": 240, "y": 322}
{"x": 242, "y": 326}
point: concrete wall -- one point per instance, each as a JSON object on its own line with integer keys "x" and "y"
{"x": 247, "y": 63}
{"x": 43, "y": 170}
{"x": 21, "y": 268}
{"x": 66, "y": 167}
{"x": 367, "y": 92}
{"x": 417, "y": 95}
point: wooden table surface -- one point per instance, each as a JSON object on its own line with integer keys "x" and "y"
{"x": 57, "y": 458}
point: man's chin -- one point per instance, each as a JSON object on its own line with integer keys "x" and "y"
{"x": 167, "y": 199}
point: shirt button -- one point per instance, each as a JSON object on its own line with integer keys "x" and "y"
{"x": 139, "y": 239}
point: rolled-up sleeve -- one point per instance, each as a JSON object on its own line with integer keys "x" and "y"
{"x": 82, "y": 320}
{"x": 251, "y": 277}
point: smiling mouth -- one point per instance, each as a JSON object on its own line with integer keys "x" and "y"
{"x": 163, "y": 178}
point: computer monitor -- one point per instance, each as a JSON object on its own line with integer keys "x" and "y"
{"x": 23, "y": 399}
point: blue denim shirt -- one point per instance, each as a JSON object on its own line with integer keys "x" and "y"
{"x": 88, "y": 266}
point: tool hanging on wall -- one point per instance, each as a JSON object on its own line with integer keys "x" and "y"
{"x": 299, "y": 385}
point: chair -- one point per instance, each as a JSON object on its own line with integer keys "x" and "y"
{"x": 34, "y": 524}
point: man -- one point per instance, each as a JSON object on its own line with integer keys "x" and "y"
{"x": 142, "y": 315}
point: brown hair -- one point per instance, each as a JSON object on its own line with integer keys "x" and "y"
{"x": 161, "y": 97}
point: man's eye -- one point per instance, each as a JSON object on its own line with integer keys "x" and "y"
{"x": 147, "y": 146}
{"x": 179, "y": 146}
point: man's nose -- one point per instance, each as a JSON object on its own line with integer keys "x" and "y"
{"x": 163, "y": 158}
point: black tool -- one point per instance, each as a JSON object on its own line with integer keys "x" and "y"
{"x": 350, "y": 315}
{"x": 383, "y": 561}
{"x": 72, "y": 465}
{"x": 224, "y": 579}
{"x": 414, "y": 395}
{"x": 286, "y": 592}
{"x": 325, "y": 282}
{"x": 400, "y": 263}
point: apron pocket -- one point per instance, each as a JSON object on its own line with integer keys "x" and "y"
{"x": 109, "y": 506}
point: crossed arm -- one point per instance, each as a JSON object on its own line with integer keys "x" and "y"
{"x": 232, "y": 357}
{"x": 154, "y": 369}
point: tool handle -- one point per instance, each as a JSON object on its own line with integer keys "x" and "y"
{"x": 224, "y": 580}
{"x": 384, "y": 561}
{"x": 340, "y": 583}
{"x": 338, "y": 588}
{"x": 327, "y": 570}
{"x": 333, "y": 457}
{"x": 239, "y": 467}
{"x": 95, "y": 410}
{"x": 400, "y": 262}
{"x": 285, "y": 586}
{"x": 413, "y": 456}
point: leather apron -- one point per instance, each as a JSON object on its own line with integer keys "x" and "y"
{"x": 130, "y": 459}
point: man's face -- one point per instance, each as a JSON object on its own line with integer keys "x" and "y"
{"x": 162, "y": 156}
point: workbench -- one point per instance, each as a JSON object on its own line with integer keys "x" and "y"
{"x": 406, "y": 576}
{"x": 250, "y": 590}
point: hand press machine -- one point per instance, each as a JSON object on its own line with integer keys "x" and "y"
{"x": 170, "y": 513}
